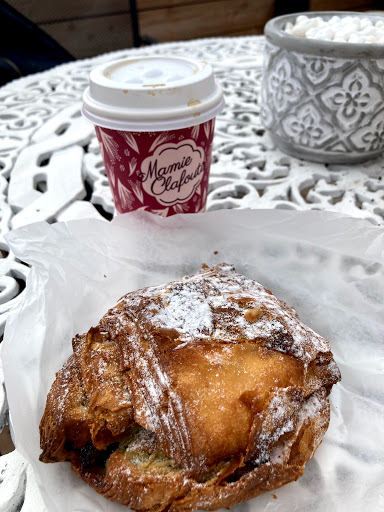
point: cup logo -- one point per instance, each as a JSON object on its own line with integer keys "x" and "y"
{"x": 173, "y": 172}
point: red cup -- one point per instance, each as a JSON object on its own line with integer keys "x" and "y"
{"x": 162, "y": 172}
{"x": 154, "y": 119}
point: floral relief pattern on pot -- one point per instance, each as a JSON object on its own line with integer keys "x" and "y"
{"x": 354, "y": 99}
{"x": 323, "y": 107}
{"x": 285, "y": 90}
{"x": 380, "y": 65}
{"x": 372, "y": 136}
{"x": 318, "y": 69}
{"x": 306, "y": 126}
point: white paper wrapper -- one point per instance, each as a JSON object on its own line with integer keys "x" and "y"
{"x": 328, "y": 266}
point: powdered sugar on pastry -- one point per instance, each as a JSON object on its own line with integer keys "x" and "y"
{"x": 197, "y": 305}
{"x": 186, "y": 311}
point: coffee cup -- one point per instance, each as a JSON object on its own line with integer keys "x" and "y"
{"x": 154, "y": 119}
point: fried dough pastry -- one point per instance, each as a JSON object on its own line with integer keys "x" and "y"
{"x": 198, "y": 394}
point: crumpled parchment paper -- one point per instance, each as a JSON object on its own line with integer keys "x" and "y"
{"x": 328, "y": 266}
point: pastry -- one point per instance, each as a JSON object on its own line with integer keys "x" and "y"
{"x": 198, "y": 394}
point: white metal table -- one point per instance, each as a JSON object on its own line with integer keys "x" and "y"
{"x": 51, "y": 170}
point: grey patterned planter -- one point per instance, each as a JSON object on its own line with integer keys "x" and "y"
{"x": 323, "y": 100}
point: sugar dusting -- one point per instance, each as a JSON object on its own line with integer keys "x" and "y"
{"x": 187, "y": 311}
{"x": 280, "y": 418}
{"x": 199, "y": 306}
{"x": 310, "y": 410}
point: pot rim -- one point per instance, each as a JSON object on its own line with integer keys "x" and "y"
{"x": 274, "y": 33}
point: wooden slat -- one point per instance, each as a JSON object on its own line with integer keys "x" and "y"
{"x": 48, "y": 11}
{"x": 92, "y": 36}
{"x": 147, "y": 5}
{"x": 204, "y": 20}
{"x": 340, "y": 5}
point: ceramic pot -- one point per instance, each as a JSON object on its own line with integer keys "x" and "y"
{"x": 323, "y": 100}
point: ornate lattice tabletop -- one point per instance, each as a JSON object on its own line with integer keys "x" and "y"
{"x": 51, "y": 169}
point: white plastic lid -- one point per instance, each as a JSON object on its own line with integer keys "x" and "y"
{"x": 152, "y": 94}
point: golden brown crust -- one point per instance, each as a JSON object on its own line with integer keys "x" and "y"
{"x": 124, "y": 482}
{"x": 66, "y": 416}
{"x": 88, "y": 401}
{"x": 204, "y": 392}
{"x": 109, "y": 400}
